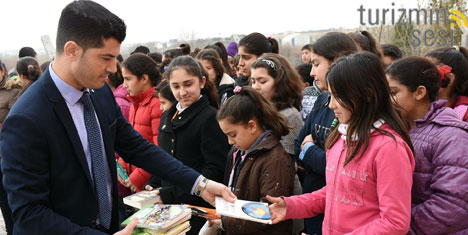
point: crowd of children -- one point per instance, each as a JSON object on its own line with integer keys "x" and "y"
{"x": 355, "y": 140}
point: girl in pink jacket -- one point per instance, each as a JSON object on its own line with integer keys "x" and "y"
{"x": 369, "y": 158}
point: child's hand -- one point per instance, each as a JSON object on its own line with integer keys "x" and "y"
{"x": 129, "y": 228}
{"x": 306, "y": 140}
{"x": 129, "y": 184}
{"x": 277, "y": 209}
{"x": 215, "y": 222}
{"x": 122, "y": 181}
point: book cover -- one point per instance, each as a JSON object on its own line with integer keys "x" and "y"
{"x": 121, "y": 171}
{"x": 246, "y": 210}
{"x": 204, "y": 212}
{"x": 142, "y": 198}
{"x": 160, "y": 218}
{"x": 177, "y": 230}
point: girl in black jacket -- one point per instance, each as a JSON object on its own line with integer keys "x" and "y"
{"x": 190, "y": 132}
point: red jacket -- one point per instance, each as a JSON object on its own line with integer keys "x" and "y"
{"x": 144, "y": 117}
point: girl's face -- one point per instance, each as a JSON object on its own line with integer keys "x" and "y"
{"x": 165, "y": 103}
{"x": 405, "y": 98}
{"x": 319, "y": 70}
{"x": 134, "y": 85}
{"x": 185, "y": 87}
{"x": 209, "y": 69}
{"x": 263, "y": 82}
{"x": 240, "y": 135}
{"x": 306, "y": 56}
{"x": 343, "y": 114}
{"x": 231, "y": 63}
{"x": 246, "y": 59}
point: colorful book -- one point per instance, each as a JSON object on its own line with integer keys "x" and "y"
{"x": 121, "y": 171}
{"x": 246, "y": 210}
{"x": 204, "y": 212}
{"x": 160, "y": 219}
{"x": 177, "y": 230}
{"x": 142, "y": 198}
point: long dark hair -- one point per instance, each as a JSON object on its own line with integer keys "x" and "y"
{"x": 358, "y": 83}
{"x": 334, "y": 45}
{"x": 250, "y": 105}
{"x": 213, "y": 57}
{"x": 221, "y": 50}
{"x": 457, "y": 58}
{"x": 140, "y": 64}
{"x": 288, "y": 83}
{"x": 164, "y": 90}
{"x": 116, "y": 79}
{"x": 192, "y": 67}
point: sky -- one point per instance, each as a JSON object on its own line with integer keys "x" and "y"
{"x": 23, "y": 22}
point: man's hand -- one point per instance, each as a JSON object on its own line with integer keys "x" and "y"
{"x": 129, "y": 228}
{"x": 214, "y": 189}
{"x": 277, "y": 209}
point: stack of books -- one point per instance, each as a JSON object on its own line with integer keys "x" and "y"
{"x": 161, "y": 219}
{"x": 142, "y": 199}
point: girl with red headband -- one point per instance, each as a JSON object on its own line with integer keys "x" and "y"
{"x": 440, "y": 140}
{"x": 455, "y": 85}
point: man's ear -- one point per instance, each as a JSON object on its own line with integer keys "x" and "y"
{"x": 72, "y": 50}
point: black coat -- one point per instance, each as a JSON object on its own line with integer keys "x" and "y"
{"x": 194, "y": 138}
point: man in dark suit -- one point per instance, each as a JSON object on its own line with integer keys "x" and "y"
{"x": 58, "y": 141}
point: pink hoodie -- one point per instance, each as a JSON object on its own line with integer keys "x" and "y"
{"x": 368, "y": 196}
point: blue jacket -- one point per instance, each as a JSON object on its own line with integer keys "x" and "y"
{"x": 318, "y": 124}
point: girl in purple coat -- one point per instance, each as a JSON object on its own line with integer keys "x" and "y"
{"x": 440, "y": 139}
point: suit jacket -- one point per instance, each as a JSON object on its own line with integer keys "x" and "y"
{"x": 45, "y": 171}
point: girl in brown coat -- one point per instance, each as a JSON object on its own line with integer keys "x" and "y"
{"x": 258, "y": 165}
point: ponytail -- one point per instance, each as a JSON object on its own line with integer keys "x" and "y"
{"x": 274, "y": 45}
{"x": 257, "y": 44}
{"x": 34, "y": 72}
{"x": 248, "y": 105}
{"x": 28, "y": 67}
{"x": 367, "y": 42}
{"x": 455, "y": 57}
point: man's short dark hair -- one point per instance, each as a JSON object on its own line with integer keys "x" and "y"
{"x": 88, "y": 23}
{"x": 391, "y": 51}
{"x": 26, "y": 51}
